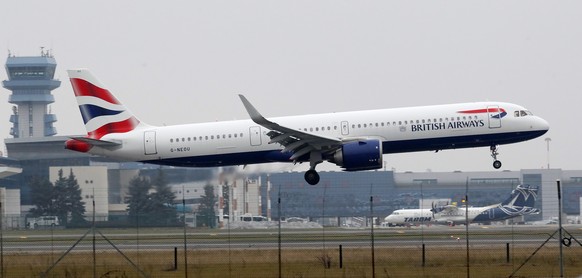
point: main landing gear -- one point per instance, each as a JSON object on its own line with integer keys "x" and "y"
{"x": 494, "y": 153}
{"x": 311, "y": 176}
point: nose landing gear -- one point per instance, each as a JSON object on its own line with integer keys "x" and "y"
{"x": 494, "y": 153}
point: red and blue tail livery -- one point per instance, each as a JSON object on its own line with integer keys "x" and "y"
{"x": 102, "y": 113}
{"x": 355, "y": 141}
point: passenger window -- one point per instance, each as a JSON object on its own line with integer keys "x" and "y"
{"x": 171, "y": 140}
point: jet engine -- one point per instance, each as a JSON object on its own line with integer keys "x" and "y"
{"x": 359, "y": 155}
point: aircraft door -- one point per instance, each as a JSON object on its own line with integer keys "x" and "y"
{"x": 492, "y": 213}
{"x": 494, "y": 115}
{"x": 345, "y": 128}
{"x": 255, "y": 135}
{"x": 149, "y": 140}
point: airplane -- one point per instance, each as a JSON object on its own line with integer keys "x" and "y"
{"x": 355, "y": 141}
{"x": 520, "y": 202}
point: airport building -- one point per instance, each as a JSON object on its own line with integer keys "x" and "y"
{"x": 345, "y": 194}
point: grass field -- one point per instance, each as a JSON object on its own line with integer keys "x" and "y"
{"x": 389, "y": 262}
{"x": 398, "y": 253}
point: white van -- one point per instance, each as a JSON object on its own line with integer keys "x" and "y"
{"x": 35, "y": 223}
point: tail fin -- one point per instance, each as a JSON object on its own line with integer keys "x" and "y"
{"x": 101, "y": 111}
{"x": 523, "y": 196}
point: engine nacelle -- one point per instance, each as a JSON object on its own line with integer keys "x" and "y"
{"x": 359, "y": 155}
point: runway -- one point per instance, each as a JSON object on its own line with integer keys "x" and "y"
{"x": 158, "y": 239}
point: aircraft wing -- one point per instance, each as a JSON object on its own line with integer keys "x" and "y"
{"x": 298, "y": 142}
{"x": 449, "y": 208}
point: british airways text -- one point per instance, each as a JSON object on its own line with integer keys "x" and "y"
{"x": 451, "y": 125}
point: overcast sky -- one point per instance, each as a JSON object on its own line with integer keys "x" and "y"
{"x": 186, "y": 61}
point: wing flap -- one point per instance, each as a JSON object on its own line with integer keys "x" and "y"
{"x": 296, "y": 141}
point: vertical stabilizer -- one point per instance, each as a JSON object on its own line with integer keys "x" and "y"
{"x": 102, "y": 113}
{"x": 524, "y": 195}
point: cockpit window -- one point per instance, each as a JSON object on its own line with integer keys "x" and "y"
{"x": 522, "y": 113}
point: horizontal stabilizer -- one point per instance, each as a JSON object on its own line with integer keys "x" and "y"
{"x": 97, "y": 142}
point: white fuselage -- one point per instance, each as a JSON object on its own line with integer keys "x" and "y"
{"x": 425, "y": 216}
{"x": 427, "y": 128}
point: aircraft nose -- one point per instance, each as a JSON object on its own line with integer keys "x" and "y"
{"x": 542, "y": 124}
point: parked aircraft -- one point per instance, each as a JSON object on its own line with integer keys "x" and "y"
{"x": 353, "y": 140}
{"x": 520, "y": 202}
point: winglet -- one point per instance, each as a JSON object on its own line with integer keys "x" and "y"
{"x": 253, "y": 112}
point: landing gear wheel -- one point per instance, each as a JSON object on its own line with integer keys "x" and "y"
{"x": 494, "y": 153}
{"x": 312, "y": 177}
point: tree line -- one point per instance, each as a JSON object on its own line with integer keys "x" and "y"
{"x": 151, "y": 202}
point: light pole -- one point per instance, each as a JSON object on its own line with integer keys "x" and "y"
{"x": 548, "y": 140}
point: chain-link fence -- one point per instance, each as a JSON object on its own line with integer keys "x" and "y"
{"x": 291, "y": 249}
{"x": 289, "y": 244}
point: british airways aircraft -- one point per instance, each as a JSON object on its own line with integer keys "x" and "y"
{"x": 353, "y": 140}
{"x": 520, "y": 202}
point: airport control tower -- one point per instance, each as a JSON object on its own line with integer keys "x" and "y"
{"x": 31, "y": 80}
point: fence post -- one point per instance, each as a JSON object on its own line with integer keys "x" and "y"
{"x": 341, "y": 257}
{"x": 423, "y": 256}
{"x": 175, "y": 258}
{"x": 507, "y": 252}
